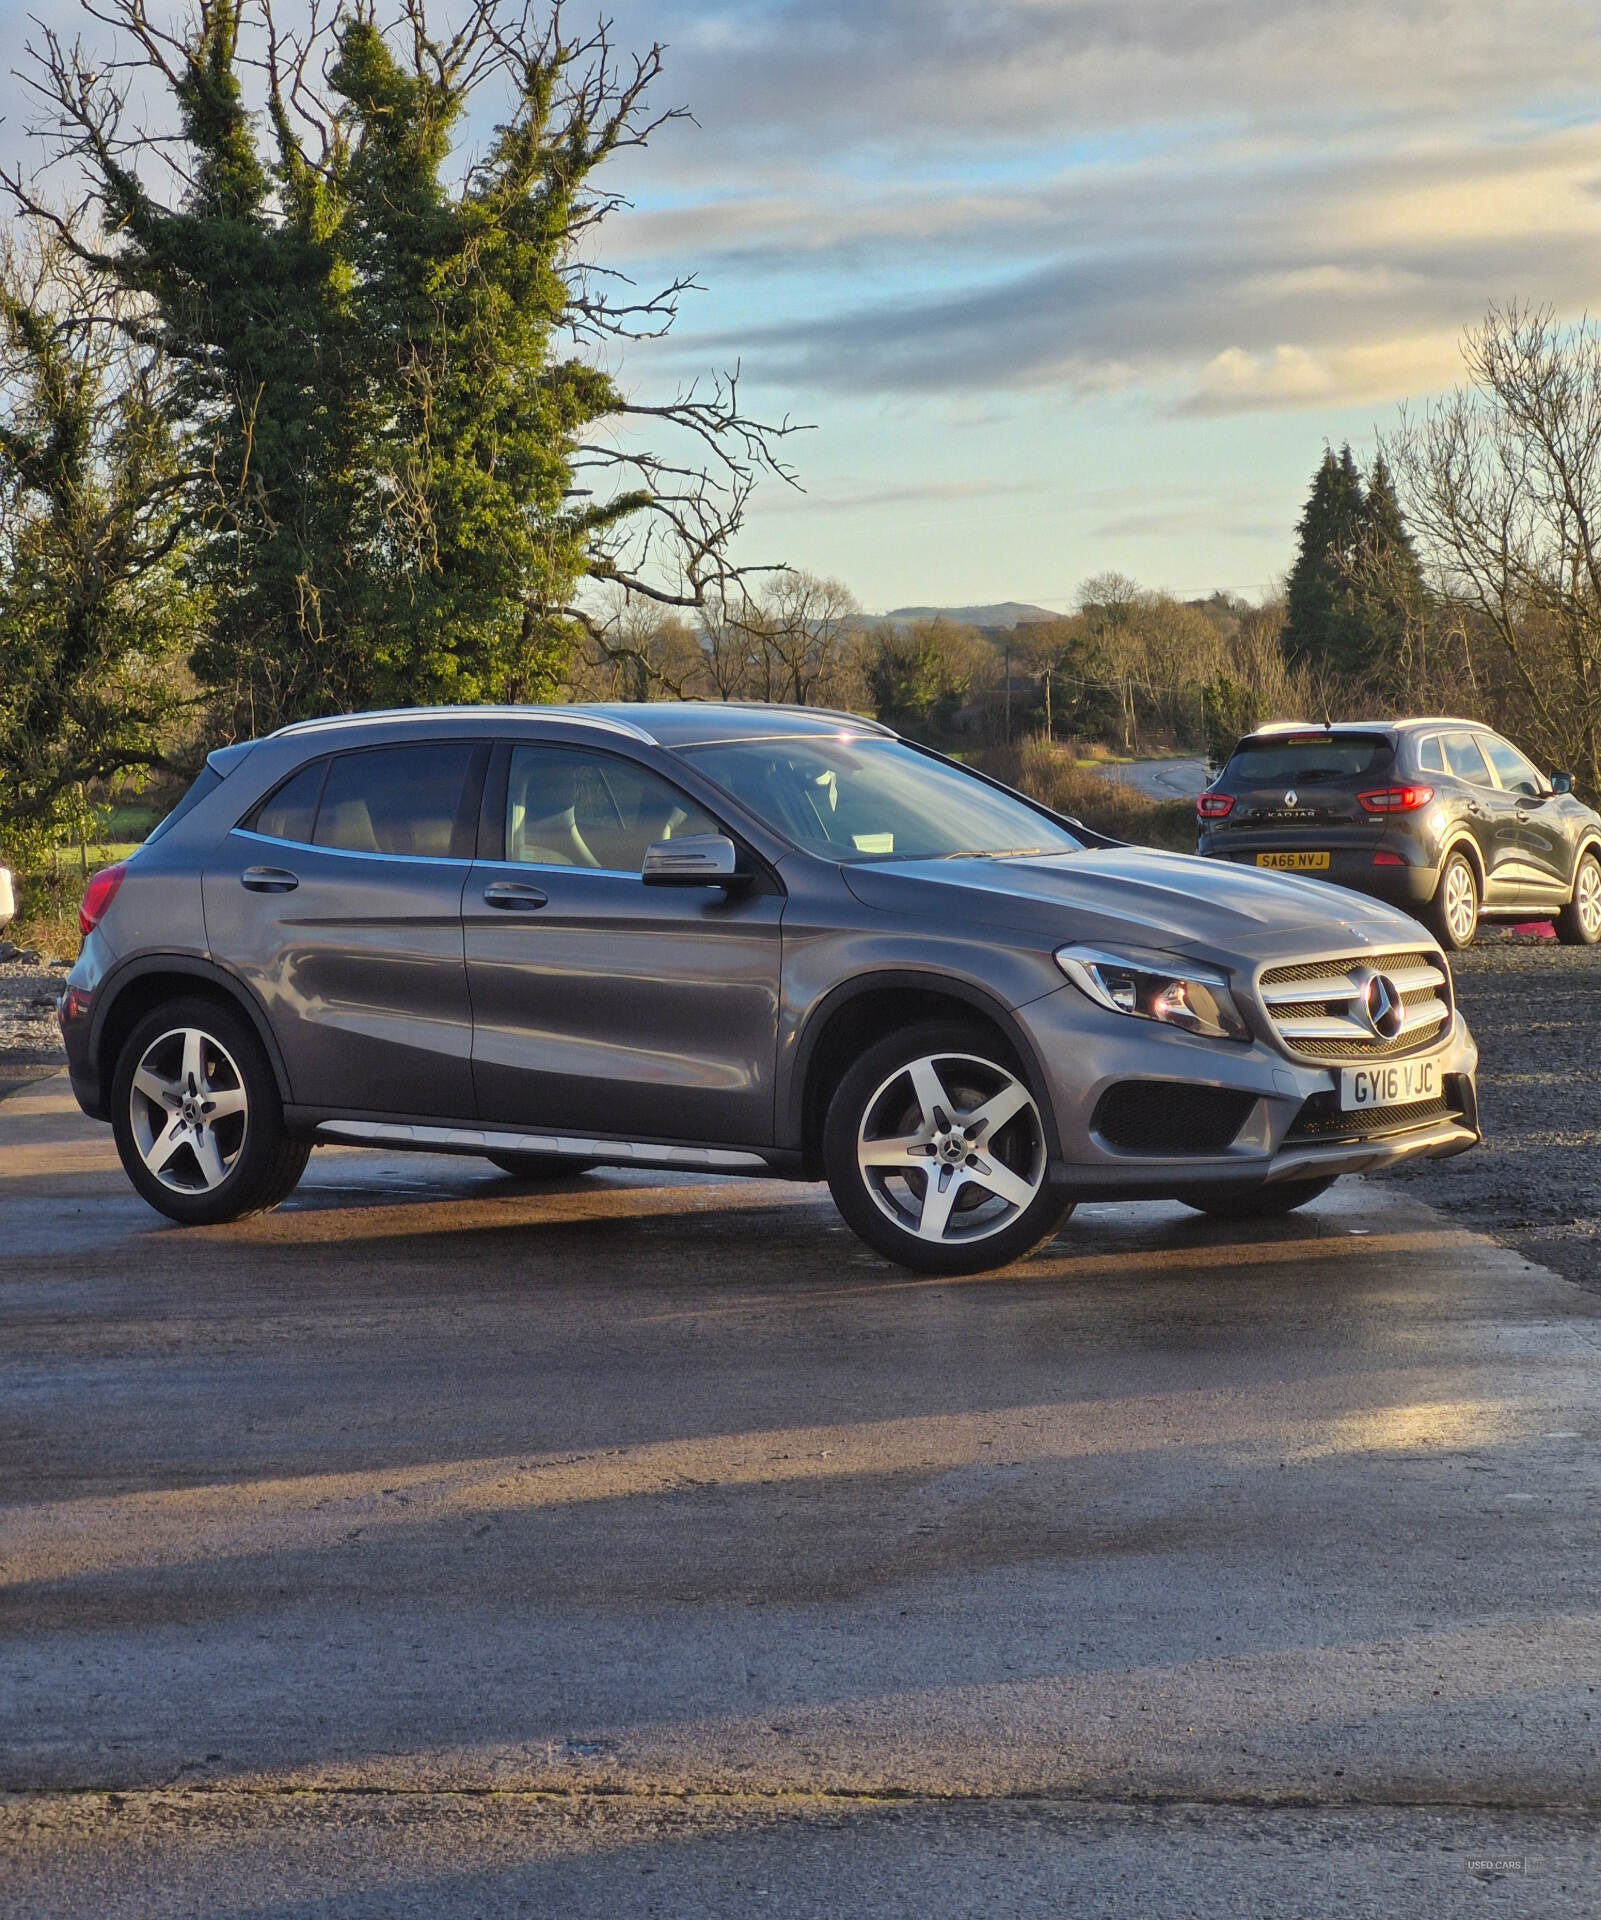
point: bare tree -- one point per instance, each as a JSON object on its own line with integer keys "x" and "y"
{"x": 1501, "y": 482}
{"x": 636, "y": 649}
{"x": 799, "y": 630}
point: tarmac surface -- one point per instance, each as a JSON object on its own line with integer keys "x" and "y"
{"x": 1535, "y": 1010}
{"x": 1173, "y": 779}
{"x": 642, "y": 1545}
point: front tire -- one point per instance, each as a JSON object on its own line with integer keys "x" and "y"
{"x": 1579, "y": 922}
{"x": 1257, "y": 1203}
{"x": 936, "y": 1152}
{"x": 1453, "y": 913}
{"x": 196, "y": 1116}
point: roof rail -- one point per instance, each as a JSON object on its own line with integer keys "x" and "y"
{"x": 569, "y": 715}
{"x": 860, "y": 721}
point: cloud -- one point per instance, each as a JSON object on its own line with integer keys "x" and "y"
{"x": 1235, "y": 381}
{"x": 1225, "y": 206}
{"x": 925, "y": 70}
{"x": 1285, "y": 285}
{"x": 870, "y": 499}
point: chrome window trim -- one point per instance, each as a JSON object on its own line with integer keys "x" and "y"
{"x": 593, "y": 873}
{"x": 353, "y": 853}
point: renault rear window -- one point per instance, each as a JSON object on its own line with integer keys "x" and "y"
{"x": 1343, "y": 756}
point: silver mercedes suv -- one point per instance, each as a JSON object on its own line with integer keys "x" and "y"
{"x": 740, "y": 939}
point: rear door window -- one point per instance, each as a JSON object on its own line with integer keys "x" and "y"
{"x": 1463, "y": 758}
{"x": 411, "y": 801}
{"x": 1309, "y": 761}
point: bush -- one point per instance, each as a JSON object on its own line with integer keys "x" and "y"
{"x": 1046, "y": 773}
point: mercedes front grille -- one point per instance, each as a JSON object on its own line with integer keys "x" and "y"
{"x": 1362, "y": 1008}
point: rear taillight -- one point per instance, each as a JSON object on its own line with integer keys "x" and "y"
{"x": 1214, "y": 806}
{"x": 98, "y": 895}
{"x": 1396, "y": 799}
{"x": 1388, "y": 860}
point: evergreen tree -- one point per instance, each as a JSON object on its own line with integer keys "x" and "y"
{"x": 1325, "y": 623}
{"x": 1395, "y": 597}
{"x": 1230, "y": 709}
{"x": 387, "y": 395}
{"x": 94, "y": 621}
{"x": 1357, "y": 600}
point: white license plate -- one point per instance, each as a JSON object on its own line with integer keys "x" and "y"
{"x": 1397, "y": 1083}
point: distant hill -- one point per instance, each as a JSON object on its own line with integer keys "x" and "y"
{"x": 1005, "y": 613}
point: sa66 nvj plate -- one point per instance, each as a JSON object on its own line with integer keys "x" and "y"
{"x": 1294, "y": 862}
{"x": 1396, "y": 1083}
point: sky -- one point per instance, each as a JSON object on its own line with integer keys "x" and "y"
{"x": 1059, "y": 286}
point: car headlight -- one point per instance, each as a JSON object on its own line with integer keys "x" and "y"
{"x": 1194, "y": 999}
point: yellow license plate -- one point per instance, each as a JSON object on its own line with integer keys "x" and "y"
{"x": 1294, "y": 862}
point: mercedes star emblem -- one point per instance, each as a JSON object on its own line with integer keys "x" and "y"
{"x": 1381, "y": 1002}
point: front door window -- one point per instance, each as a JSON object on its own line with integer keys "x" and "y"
{"x": 567, "y": 808}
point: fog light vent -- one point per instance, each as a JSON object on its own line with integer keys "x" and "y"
{"x": 1169, "y": 1117}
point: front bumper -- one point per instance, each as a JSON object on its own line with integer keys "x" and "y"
{"x": 1285, "y": 1133}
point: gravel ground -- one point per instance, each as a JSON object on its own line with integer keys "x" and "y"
{"x": 1534, "y": 1006}
{"x": 29, "y": 1038}
{"x": 1535, "y": 1183}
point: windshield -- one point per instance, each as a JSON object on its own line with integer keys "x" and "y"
{"x": 1342, "y": 758}
{"x": 854, "y": 797}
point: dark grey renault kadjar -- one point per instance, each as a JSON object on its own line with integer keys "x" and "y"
{"x": 1442, "y": 817}
{"x": 738, "y": 939}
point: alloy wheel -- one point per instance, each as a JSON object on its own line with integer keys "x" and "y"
{"x": 189, "y": 1111}
{"x": 951, "y": 1148}
{"x": 1587, "y": 898}
{"x": 1461, "y": 902}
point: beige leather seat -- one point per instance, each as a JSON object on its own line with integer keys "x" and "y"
{"x": 347, "y": 825}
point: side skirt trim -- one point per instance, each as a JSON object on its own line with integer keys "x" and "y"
{"x": 620, "y": 1153}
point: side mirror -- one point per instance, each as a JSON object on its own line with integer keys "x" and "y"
{"x": 1562, "y": 783}
{"x": 698, "y": 860}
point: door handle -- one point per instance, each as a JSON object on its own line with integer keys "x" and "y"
{"x": 268, "y": 880}
{"x": 511, "y": 896}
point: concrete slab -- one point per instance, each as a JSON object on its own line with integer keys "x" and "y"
{"x": 643, "y": 1487}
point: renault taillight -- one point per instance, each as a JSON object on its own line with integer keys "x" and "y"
{"x": 1396, "y": 799}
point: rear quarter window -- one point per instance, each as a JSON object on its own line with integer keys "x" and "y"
{"x": 206, "y": 783}
{"x": 290, "y": 812}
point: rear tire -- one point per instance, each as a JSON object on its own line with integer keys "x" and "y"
{"x": 936, "y": 1152}
{"x": 1579, "y": 922}
{"x": 1258, "y": 1203}
{"x": 538, "y": 1166}
{"x": 197, "y": 1119}
{"x": 1453, "y": 913}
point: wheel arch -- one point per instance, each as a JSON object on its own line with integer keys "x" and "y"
{"x": 1589, "y": 842}
{"x": 1466, "y": 844}
{"x": 130, "y": 993}
{"x": 866, "y": 1010}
